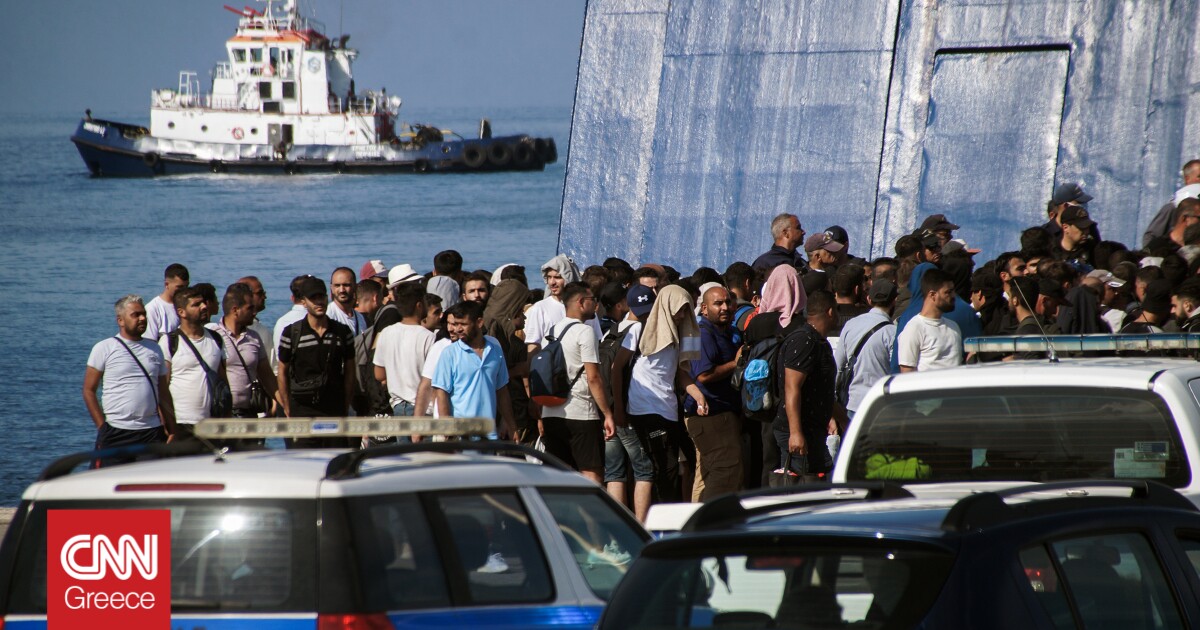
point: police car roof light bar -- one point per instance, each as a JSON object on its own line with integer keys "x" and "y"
{"x": 987, "y": 509}
{"x": 1084, "y": 343}
{"x": 729, "y": 508}
{"x": 347, "y": 465}
{"x": 240, "y": 428}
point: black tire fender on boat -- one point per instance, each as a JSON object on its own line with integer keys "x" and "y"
{"x": 524, "y": 155}
{"x": 339, "y": 167}
{"x": 499, "y": 154}
{"x": 551, "y": 151}
{"x": 216, "y": 166}
{"x": 151, "y": 160}
{"x": 473, "y": 155}
{"x": 421, "y": 166}
{"x": 290, "y": 168}
{"x": 540, "y": 147}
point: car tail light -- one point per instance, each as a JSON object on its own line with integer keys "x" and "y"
{"x": 339, "y": 621}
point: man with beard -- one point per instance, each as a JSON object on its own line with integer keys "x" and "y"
{"x": 342, "y": 287}
{"x": 930, "y": 341}
{"x": 718, "y": 435}
{"x": 1185, "y": 305}
{"x": 134, "y": 376}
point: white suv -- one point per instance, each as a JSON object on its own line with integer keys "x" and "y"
{"x": 1021, "y": 421}
{"x": 432, "y": 534}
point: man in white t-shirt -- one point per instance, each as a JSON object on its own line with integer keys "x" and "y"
{"x": 930, "y": 341}
{"x": 134, "y": 376}
{"x": 195, "y": 356}
{"x": 575, "y": 431}
{"x": 160, "y": 312}
{"x": 400, "y": 350}
{"x": 342, "y": 292}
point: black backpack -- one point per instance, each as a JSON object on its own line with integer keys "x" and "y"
{"x": 756, "y": 377}
{"x": 841, "y": 388}
{"x": 370, "y": 396}
{"x": 549, "y": 384}
{"x": 610, "y": 345}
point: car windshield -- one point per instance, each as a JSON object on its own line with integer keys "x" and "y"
{"x": 1031, "y": 434}
{"x": 809, "y": 587}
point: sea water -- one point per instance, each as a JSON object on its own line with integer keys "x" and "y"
{"x": 70, "y": 245}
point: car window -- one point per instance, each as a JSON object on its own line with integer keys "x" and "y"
{"x": 1194, "y": 387}
{"x": 227, "y": 556}
{"x": 1043, "y": 579}
{"x": 1031, "y": 434}
{"x": 1115, "y": 580}
{"x": 603, "y": 542}
{"x": 817, "y": 587}
{"x": 399, "y": 561}
{"x": 496, "y": 548}
{"x": 1191, "y": 547}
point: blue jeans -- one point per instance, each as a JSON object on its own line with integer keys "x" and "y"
{"x": 626, "y": 443}
{"x": 800, "y": 463}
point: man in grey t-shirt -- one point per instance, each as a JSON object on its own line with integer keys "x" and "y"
{"x": 134, "y": 376}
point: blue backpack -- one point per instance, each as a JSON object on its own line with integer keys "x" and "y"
{"x": 549, "y": 385}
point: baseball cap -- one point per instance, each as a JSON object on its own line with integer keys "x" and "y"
{"x": 402, "y": 273}
{"x": 824, "y": 241}
{"x": 1077, "y": 216}
{"x": 611, "y": 294}
{"x": 838, "y": 233}
{"x": 1070, "y": 192}
{"x": 937, "y": 223}
{"x": 958, "y": 244}
{"x": 1105, "y": 276}
{"x": 310, "y": 286}
{"x": 1191, "y": 191}
{"x": 883, "y": 291}
{"x": 640, "y": 299}
{"x": 929, "y": 239}
{"x": 371, "y": 268}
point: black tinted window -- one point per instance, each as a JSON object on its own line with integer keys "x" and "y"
{"x": 1117, "y": 582}
{"x": 1032, "y": 434}
{"x": 497, "y": 549}
{"x": 783, "y": 587}
{"x": 399, "y": 562}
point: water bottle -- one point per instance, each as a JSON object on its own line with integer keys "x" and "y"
{"x": 833, "y": 443}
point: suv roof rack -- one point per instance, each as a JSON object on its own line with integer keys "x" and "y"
{"x": 729, "y": 509}
{"x": 63, "y": 466}
{"x": 989, "y": 508}
{"x": 347, "y": 465}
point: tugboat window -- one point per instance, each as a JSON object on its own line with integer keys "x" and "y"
{"x": 256, "y": 55}
{"x": 170, "y": 125}
{"x": 239, "y": 54}
{"x": 264, "y": 89}
{"x": 254, "y": 131}
{"x": 203, "y": 127}
{"x": 271, "y": 107}
{"x": 289, "y": 90}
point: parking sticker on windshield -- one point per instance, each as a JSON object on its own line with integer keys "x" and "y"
{"x": 1128, "y": 463}
{"x": 1157, "y": 450}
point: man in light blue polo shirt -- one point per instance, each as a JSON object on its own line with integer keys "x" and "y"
{"x": 471, "y": 378}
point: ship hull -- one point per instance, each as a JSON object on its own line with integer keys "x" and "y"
{"x": 111, "y": 149}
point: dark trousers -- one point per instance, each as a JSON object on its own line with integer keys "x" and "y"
{"x": 752, "y": 456}
{"x": 108, "y": 436}
{"x": 770, "y": 453}
{"x": 667, "y": 442}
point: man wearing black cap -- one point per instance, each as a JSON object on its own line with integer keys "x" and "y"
{"x": 316, "y": 363}
{"x": 931, "y": 247}
{"x": 1075, "y": 243}
{"x": 822, "y": 252}
{"x": 1069, "y": 193}
{"x": 869, "y": 338}
{"x": 940, "y": 226}
{"x": 1156, "y": 308}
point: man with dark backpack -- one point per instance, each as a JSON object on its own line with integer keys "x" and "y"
{"x": 624, "y": 446}
{"x": 195, "y": 359}
{"x": 864, "y": 354}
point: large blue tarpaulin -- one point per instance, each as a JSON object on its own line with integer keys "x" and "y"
{"x": 696, "y": 121}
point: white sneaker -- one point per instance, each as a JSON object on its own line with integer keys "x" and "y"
{"x": 616, "y": 554}
{"x": 495, "y": 564}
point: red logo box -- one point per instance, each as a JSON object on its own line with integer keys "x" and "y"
{"x": 108, "y": 569}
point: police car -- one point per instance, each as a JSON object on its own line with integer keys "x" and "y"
{"x": 998, "y": 424}
{"x": 435, "y": 534}
{"x": 1065, "y": 555}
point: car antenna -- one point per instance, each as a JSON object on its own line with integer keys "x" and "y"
{"x": 1051, "y": 355}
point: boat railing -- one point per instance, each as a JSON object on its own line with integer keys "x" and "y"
{"x": 223, "y": 70}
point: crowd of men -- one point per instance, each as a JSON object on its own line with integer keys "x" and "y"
{"x": 653, "y": 356}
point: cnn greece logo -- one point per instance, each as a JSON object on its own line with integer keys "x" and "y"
{"x": 104, "y": 569}
{"x": 122, "y": 557}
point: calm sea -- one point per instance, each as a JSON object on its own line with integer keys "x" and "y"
{"x": 71, "y": 245}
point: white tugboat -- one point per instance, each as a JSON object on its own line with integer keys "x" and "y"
{"x": 286, "y": 102}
